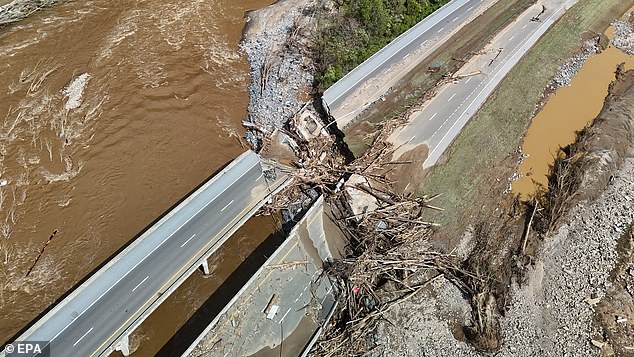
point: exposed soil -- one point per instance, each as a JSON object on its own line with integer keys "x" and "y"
{"x": 547, "y": 306}
{"x": 407, "y": 172}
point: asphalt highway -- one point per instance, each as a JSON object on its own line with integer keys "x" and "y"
{"x": 357, "y": 90}
{"x": 94, "y": 318}
{"x": 442, "y": 118}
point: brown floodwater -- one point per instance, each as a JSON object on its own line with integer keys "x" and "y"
{"x": 111, "y": 112}
{"x": 567, "y": 111}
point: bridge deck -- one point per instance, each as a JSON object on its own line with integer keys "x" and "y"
{"x": 116, "y": 299}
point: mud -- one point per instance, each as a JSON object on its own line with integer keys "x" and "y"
{"x": 569, "y": 110}
{"x": 110, "y": 113}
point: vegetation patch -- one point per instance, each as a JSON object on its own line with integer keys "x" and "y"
{"x": 360, "y": 28}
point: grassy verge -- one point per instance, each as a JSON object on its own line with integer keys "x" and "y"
{"x": 451, "y": 55}
{"x": 497, "y": 128}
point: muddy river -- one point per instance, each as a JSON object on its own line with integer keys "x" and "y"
{"x": 110, "y": 112}
{"x": 567, "y": 111}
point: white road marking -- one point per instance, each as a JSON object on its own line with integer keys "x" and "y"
{"x": 454, "y": 20}
{"x": 524, "y": 26}
{"x": 424, "y": 42}
{"x": 287, "y": 311}
{"x": 469, "y": 9}
{"x": 467, "y": 81}
{"x": 82, "y": 337}
{"x": 225, "y": 207}
{"x": 388, "y": 58}
{"x": 442, "y": 28}
{"x": 407, "y": 55}
{"x": 147, "y": 255}
{"x": 511, "y": 38}
{"x": 187, "y": 241}
{"x": 450, "y": 98}
{"x": 139, "y": 284}
{"x": 432, "y": 117}
{"x": 325, "y": 296}
{"x": 485, "y": 84}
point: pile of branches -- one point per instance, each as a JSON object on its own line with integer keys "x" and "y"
{"x": 389, "y": 259}
{"x": 317, "y": 170}
{"x": 564, "y": 181}
{"x": 19, "y": 9}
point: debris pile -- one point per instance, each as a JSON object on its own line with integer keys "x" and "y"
{"x": 623, "y": 35}
{"x": 389, "y": 257}
{"x": 388, "y": 262}
{"x": 281, "y": 78}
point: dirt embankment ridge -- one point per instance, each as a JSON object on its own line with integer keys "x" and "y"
{"x": 611, "y": 137}
{"x": 553, "y": 314}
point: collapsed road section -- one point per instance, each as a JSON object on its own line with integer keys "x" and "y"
{"x": 281, "y": 309}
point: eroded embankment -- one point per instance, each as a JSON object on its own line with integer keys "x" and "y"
{"x": 576, "y": 103}
{"x": 574, "y": 265}
{"x": 560, "y": 273}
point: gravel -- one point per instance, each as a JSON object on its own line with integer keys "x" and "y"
{"x": 624, "y": 37}
{"x": 19, "y": 9}
{"x": 286, "y": 81}
{"x": 549, "y": 314}
{"x": 577, "y": 262}
{"x": 571, "y": 67}
{"x": 423, "y": 326}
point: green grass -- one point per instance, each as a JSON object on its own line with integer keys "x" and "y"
{"x": 359, "y": 28}
{"x": 496, "y": 130}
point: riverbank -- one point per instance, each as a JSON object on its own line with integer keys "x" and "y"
{"x": 277, "y": 41}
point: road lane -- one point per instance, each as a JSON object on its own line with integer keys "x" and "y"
{"x": 120, "y": 307}
{"x": 373, "y": 78}
{"x": 442, "y": 118}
